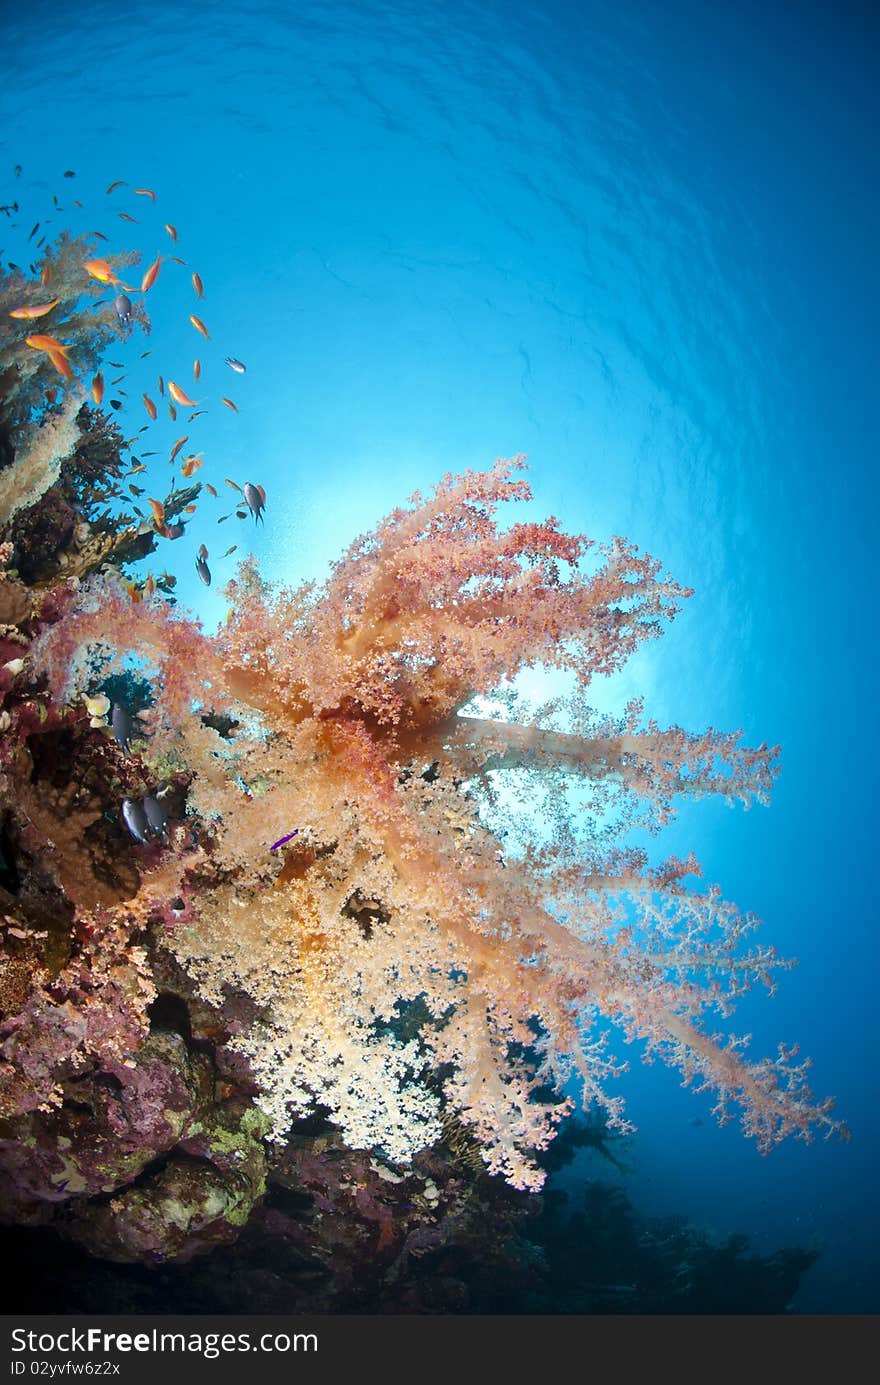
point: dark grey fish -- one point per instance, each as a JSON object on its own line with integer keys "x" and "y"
{"x": 256, "y": 499}
{"x": 69, "y": 173}
{"x": 156, "y": 816}
{"x": 175, "y": 531}
{"x": 123, "y": 728}
{"x": 135, "y": 819}
{"x": 204, "y": 571}
{"x": 122, "y": 308}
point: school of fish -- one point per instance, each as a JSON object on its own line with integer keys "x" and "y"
{"x": 172, "y": 396}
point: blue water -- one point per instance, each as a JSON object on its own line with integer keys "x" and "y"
{"x": 636, "y": 242}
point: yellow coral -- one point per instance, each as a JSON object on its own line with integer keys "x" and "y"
{"x": 39, "y": 457}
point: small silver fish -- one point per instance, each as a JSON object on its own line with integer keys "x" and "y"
{"x": 135, "y": 819}
{"x": 156, "y": 816}
{"x": 122, "y": 727}
{"x": 122, "y": 308}
{"x": 238, "y": 366}
{"x": 203, "y": 570}
{"x": 256, "y": 499}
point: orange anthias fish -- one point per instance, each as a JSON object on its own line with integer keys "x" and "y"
{"x": 161, "y": 383}
{"x": 177, "y": 446}
{"x": 178, "y": 395}
{"x": 98, "y": 388}
{"x": 158, "y": 510}
{"x": 151, "y": 275}
{"x": 61, "y": 364}
{"x": 149, "y": 406}
{"x": 124, "y": 216}
{"x": 145, "y": 192}
{"x": 172, "y": 413}
{"x": 103, "y": 272}
{"x": 198, "y": 285}
{"x": 190, "y": 466}
{"x": 229, "y": 404}
{"x": 212, "y": 490}
{"x": 45, "y": 275}
{"x": 39, "y": 342}
{"x": 40, "y": 311}
{"x": 199, "y": 326}
{"x": 172, "y": 230}
{"x": 197, "y": 368}
{"x": 120, "y": 183}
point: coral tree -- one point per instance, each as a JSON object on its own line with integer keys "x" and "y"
{"x": 395, "y": 904}
{"x": 400, "y": 963}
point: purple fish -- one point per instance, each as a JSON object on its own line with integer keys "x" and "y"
{"x": 282, "y": 840}
{"x": 122, "y": 306}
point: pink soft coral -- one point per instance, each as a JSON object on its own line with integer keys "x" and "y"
{"x": 395, "y": 939}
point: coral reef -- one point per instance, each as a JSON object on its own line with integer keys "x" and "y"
{"x": 392, "y": 913}
{"x": 338, "y": 1231}
{"x": 354, "y": 706}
